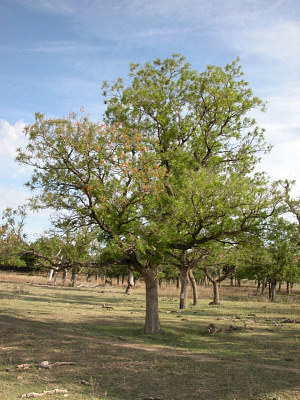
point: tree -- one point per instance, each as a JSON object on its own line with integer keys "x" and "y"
{"x": 169, "y": 171}
{"x": 12, "y": 237}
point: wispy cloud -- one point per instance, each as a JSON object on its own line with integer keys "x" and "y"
{"x": 60, "y": 7}
{"x": 276, "y": 42}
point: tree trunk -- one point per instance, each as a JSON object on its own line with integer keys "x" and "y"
{"x": 50, "y": 274}
{"x": 64, "y": 276}
{"x": 216, "y": 300}
{"x": 130, "y": 282}
{"x": 183, "y": 290}
{"x": 263, "y": 286}
{"x": 177, "y": 282}
{"x": 194, "y": 287}
{"x": 152, "y": 323}
{"x": 288, "y": 287}
{"x": 272, "y": 287}
{"x": 258, "y": 284}
{"x": 279, "y": 287}
{"x": 54, "y": 277}
{"x": 73, "y": 277}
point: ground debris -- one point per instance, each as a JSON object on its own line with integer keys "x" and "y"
{"x": 114, "y": 336}
{"x": 213, "y": 329}
{"x": 153, "y": 398}
{"x": 106, "y": 306}
{"x": 44, "y": 364}
{"x": 43, "y": 393}
{"x": 84, "y": 382}
{"x": 289, "y": 321}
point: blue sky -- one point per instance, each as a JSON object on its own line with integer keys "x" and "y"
{"x": 55, "y": 54}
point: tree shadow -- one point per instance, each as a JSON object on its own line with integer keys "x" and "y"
{"x": 122, "y": 370}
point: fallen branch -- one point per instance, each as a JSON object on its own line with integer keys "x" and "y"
{"x": 44, "y": 364}
{"x": 44, "y": 393}
{"x": 114, "y": 336}
{"x": 105, "y": 306}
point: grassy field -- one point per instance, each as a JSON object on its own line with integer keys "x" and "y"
{"x": 108, "y": 358}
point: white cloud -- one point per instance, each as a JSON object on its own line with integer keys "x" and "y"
{"x": 278, "y": 41}
{"x": 12, "y": 196}
{"x": 282, "y": 124}
{"x": 11, "y": 137}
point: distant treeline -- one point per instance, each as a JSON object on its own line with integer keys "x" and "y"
{"x": 17, "y": 268}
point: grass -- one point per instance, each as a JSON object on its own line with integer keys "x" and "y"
{"x": 41, "y": 322}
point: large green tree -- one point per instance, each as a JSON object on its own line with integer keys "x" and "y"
{"x": 171, "y": 169}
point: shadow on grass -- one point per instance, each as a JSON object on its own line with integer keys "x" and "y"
{"x": 120, "y": 370}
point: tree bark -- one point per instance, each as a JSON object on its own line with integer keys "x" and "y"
{"x": 194, "y": 287}
{"x": 130, "y": 282}
{"x": 152, "y": 323}
{"x": 288, "y": 287}
{"x": 64, "y": 276}
{"x": 73, "y": 277}
{"x": 216, "y": 300}
{"x": 263, "y": 286}
{"x": 183, "y": 290}
{"x": 258, "y": 284}
{"x": 279, "y": 287}
{"x": 54, "y": 277}
{"x": 50, "y": 274}
{"x": 272, "y": 287}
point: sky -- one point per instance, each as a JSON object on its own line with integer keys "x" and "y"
{"x": 55, "y": 55}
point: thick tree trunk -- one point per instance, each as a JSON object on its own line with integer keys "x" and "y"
{"x": 152, "y": 323}
{"x": 130, "y": 282}
{"x": 288, "y": 287}
{"x": 216, "y": 300}
{"x": 183, "y": 290}
{"x": 194, "y": 287}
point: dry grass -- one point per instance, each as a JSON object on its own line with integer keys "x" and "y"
{"x": 42, "y": 322}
